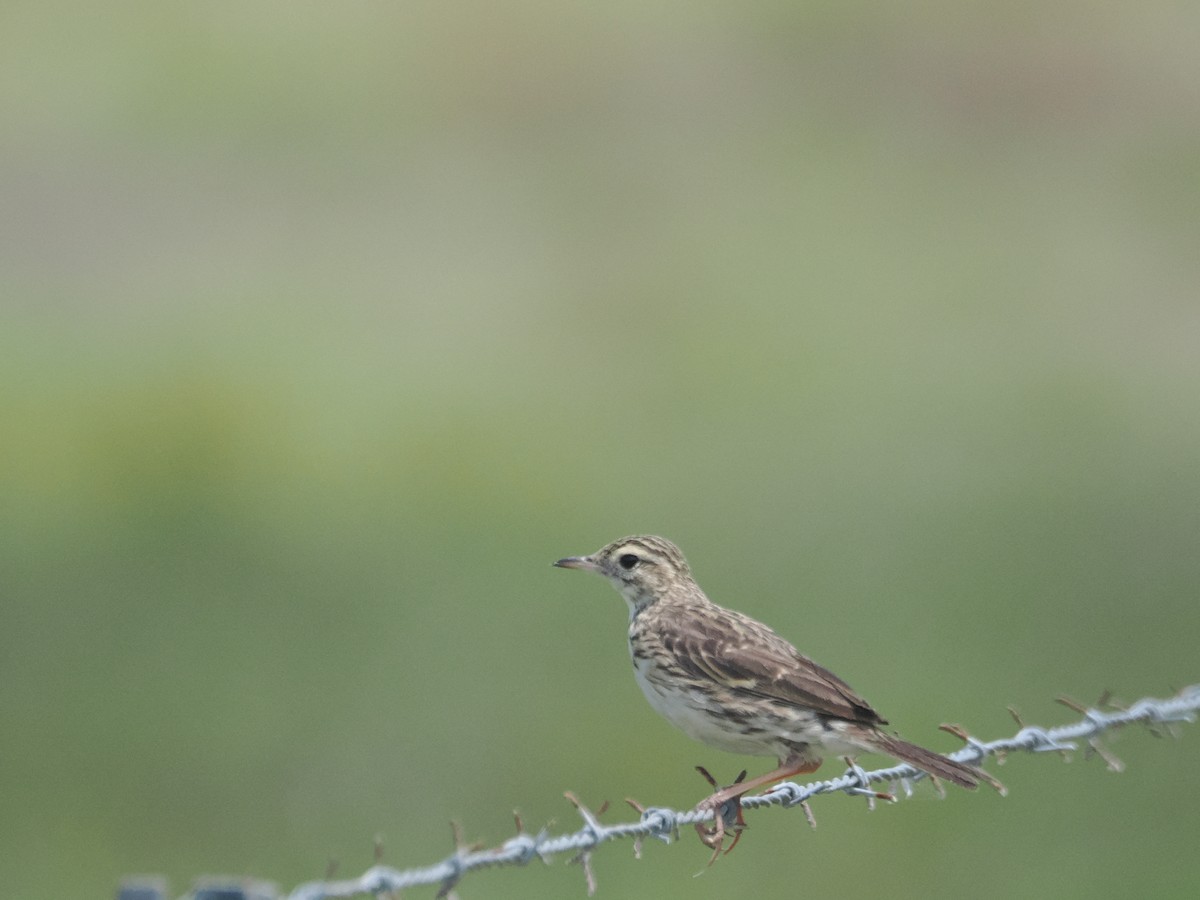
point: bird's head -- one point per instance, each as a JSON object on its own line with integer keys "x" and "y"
{"x": 643, "y": 568}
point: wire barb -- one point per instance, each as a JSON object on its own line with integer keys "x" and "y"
{"x": 664, "y": 823}
{"x": 863, "y": 787}
{"x": 592, "y": 826}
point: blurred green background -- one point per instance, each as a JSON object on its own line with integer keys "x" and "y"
{"x": 327, "y": 327}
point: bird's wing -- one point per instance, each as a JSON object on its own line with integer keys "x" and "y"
{"x": 743, "y": 655}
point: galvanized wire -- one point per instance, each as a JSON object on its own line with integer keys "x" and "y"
{"x": 663, "y": 823}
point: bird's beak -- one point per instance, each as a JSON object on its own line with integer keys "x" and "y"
{"x": 586, "y": 563}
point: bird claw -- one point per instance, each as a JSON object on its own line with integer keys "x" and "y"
{"x": 727, "y": 816}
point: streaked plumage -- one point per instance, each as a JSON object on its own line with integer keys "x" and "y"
{"x": 733, "y": 683}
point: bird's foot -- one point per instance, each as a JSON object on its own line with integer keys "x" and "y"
{"x": 726, "y": 804}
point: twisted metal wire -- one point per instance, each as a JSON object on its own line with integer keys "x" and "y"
{"x": 663, "y": 823}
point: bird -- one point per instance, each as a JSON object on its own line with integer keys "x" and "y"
{"x": 734, "y": 684}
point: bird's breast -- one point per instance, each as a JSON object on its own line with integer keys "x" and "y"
{"x": 694, "y": 707}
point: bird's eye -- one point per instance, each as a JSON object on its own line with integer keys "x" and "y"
{"x": 628, "y": 560}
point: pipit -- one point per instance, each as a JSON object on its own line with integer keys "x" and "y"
{"x": 733, "y": 683}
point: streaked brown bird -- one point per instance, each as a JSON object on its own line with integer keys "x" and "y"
{"x": 733, "y": 683}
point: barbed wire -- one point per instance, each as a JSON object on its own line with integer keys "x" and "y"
{"x": 663, "y": 824}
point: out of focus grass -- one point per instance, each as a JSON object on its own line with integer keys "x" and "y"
{"x": 326, "y": 328}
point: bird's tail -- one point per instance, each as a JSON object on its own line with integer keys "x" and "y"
{"x": 926, "y": 760}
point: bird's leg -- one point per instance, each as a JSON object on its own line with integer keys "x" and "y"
{"x": 793, "y": 765}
